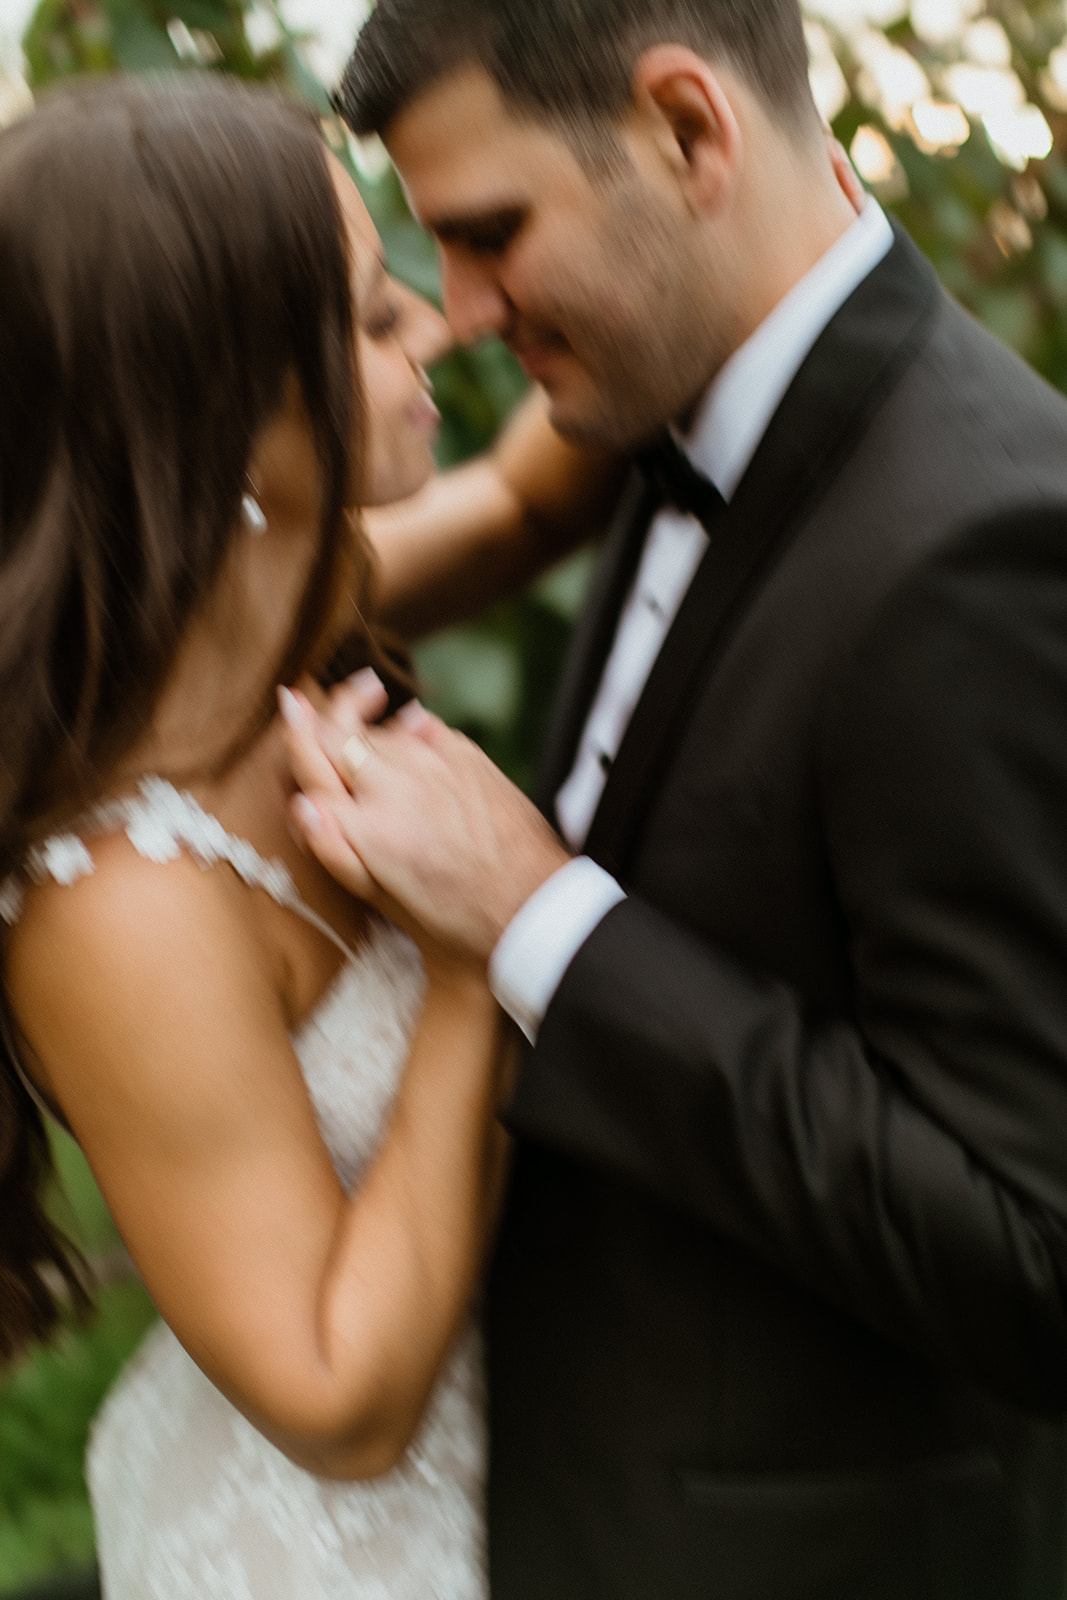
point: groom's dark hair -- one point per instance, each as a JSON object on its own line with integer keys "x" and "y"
{"x": 568, "y": 61}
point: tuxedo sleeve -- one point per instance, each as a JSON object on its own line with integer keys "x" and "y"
{"x": 907, "y": 1161}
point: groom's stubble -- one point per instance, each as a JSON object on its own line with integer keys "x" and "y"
{"x": 639, "y": 311}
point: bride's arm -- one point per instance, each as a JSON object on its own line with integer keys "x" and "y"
{"x": 156, "y": 1021}
{"x": 479, "y": 532}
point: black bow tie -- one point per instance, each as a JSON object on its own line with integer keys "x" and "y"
{"x": 670, "y": 471}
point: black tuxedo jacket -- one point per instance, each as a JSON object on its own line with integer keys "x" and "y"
{"x": 779, "y": 1309}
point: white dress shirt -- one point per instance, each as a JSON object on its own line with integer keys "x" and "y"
{"x": 539, "y": 944}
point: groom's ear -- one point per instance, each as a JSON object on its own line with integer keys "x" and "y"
{"x": 683, "y": 106}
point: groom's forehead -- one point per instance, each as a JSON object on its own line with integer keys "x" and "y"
{"x": 461, "y": 150}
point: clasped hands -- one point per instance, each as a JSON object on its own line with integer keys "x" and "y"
{"x": 412, "y": 817}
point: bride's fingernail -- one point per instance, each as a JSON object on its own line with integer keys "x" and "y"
{"x": 307, "y": 813}
{"x": 291, "y": 710}
{"x": 365, "y": 680}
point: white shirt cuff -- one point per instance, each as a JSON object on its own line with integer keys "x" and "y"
{"x": 545, "y": 935}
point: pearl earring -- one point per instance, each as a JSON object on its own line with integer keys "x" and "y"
{"x": 252, "y": 513}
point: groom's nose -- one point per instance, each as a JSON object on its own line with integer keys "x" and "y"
{"x": 475, "y": 303}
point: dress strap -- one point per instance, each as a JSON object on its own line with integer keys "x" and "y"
{"x": 160, "y": 822}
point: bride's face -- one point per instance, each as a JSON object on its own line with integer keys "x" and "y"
{"x": 234, "y": 640}
{"x": 398, "y": 334}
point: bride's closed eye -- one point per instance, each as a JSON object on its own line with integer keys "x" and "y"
{"x": 382, "y": 321}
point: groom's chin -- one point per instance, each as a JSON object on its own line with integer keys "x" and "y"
{"x": 580, "y": 415}
{"x": 594, "y": 426}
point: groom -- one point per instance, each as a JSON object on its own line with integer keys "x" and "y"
{"x": 779, "y": 1310}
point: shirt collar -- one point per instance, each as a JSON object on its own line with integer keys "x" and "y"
{"x": 735, "y": 412}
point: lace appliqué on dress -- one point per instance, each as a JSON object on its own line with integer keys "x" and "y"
{"x": 63, "y": 858}
{"x": 160, "y": 822}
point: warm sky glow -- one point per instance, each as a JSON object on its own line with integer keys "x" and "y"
{"x": 940, "y": 125}
{"x": 941, "y": 22}
{"x": 873, "y": 157}
{"x": 975, "y": 82}
{"x": 1019, "y": 136}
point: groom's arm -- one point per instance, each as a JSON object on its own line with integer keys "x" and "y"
{"x": 907, "y": 1162}
{"x": 481, "y": 531}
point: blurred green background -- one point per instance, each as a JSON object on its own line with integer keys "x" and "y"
{"x": 955, "y": 112}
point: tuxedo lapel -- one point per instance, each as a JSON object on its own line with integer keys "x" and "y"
{"x": 594, "y": 634}
{"x": 859, "y": 355}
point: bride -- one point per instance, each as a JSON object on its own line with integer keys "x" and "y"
{"x": 287, "y": 1102}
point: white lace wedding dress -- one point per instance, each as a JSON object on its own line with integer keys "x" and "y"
{"x": 191, "y": 1503}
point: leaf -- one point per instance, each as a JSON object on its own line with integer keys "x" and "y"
{"x": 1011, "y": 314}
{"x": 471, "y": 681}
{"x": 1052, "y": 255}
{"x": 212, "y": 16}
{"x": 52, "y": 1533}
{"x": 413, "y": 259}
{"x": 78, "y": 1206}
{"x": 46, "y": 1406}
{"x": 303, "y": 80}
{"x": 139, "y": 45}
{"x": 563, "y": 590}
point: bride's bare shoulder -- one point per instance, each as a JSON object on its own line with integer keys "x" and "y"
{"x": 130, "y": 947}
{"x": 108, "y": 902}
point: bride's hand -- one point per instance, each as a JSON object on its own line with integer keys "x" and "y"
{"x": 317, "y": 731}
{"x": 415, "y": 808}
{"x": 347, "y": 708}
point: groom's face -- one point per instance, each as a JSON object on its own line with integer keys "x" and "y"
{"x": 597, "y": 278}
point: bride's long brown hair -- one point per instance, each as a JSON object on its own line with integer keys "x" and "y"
{"x": 169, "y": 252}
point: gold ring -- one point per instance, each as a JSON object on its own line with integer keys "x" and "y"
{"x": 355, "y": 752}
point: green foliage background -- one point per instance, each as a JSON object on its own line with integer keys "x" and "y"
{"x": 998, "y": 238}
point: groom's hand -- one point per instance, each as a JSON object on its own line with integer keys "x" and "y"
{"x": 416, "y": 810}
